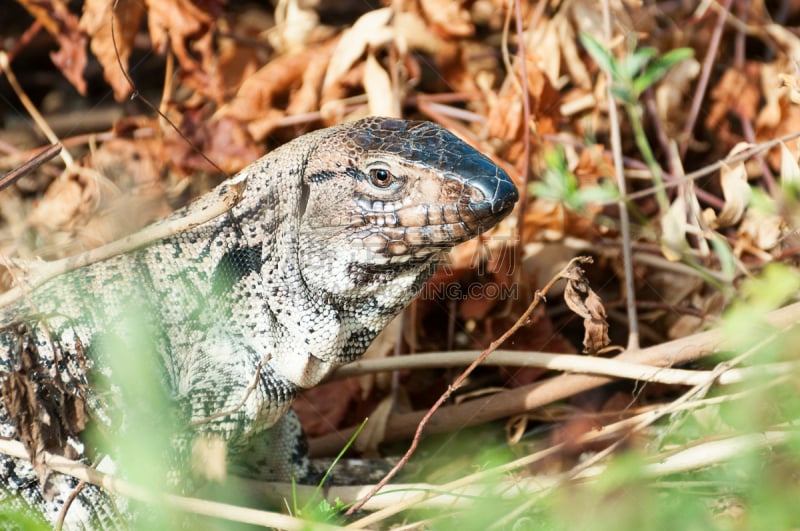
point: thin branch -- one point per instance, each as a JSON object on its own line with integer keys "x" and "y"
{"x": 233, "y": 409}
{"x": 538, "y": 298}
{"x": 624, "y": 218}
{"x": 711, "y": 168}
{"x": 32, "y": 110}
{"x": 569, "y": 363}
{"x": 541, "y": 393}
{"x": 136, "y": 94}
{"x": 30, "y": 165}
{"x": 37, "y": 273}
{"x": 539, "y": 484}
{"x": 193, "y": 505}
{"x": 705, "y": 75}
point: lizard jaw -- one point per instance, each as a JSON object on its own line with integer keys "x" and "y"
{"x": 412, "y": 231}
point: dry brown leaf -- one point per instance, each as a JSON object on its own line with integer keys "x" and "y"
{"x": 790, "y": 82}
{"x": 572, "y": 54}
{"x": 673, "y": 230}
{"x": 96, "y": 22}
{"x": 122, "y": 193}
{"x": 671, "y": 95}
{"x": 66, "y": 202}
{"x": 307, "y": 98}
{"x": 378, "y": 87}
{"x": 737, "y": 194}
{"x": 594, "y": 163}
{"x": 448, "y": 18}
{"x": 779, "y": 115}
{"x": 546, "y": 219}
{"x": 64, "y": 28}
{"x": 223, "y": 140}
{"x": 209, "y": 457}
{"x": 381, "y": 347}
{"x": 322, "y": 408}
{"x": 295, "y": 24}
{"x": 737, "y": 92}
{"x": 45, "y": 413}
{"x": 188, "y": 30}
{"x": 254, "y": 103}
{"x": 542, "y": 40}
{"x": 790, "y": 171}
{"x": 582, "y": 300}
{"x": 412, "y": 34}
{"x": 374, "y": 431}
{"x": 505, "y": 112}
{"x": 371, "y": 29}
{"x": 711, "y": 304}
{"x": 762, "y": 230}
{"x": 775, "y": 94}
{"x": 736, "y": 191}
{"x": 238, "y": 59}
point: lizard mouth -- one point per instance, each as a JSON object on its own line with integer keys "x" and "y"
{"x": 464, "y": 209}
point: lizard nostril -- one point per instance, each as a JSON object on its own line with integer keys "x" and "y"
{"x": 499, "y": 193}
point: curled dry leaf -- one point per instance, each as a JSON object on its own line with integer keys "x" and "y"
{"x": 209, "y": 457}
{"x": 762, "y": 230}
{"x": 64, "y": 27}
{"x": 66, "y": 202}
{"x": 738, "y": 93}
{"x": 780, "y": 115}
{"x": 45, "y": 412}
{"x": 736, "y": 191}
{"x": 378, "y": 86}
{"x": 505, "y": 118}
{"x": 671, "y": 95}
{"x": 381, "y": 347}
{"x": 323, "y": 408}
{"x": 776, "y": 94}
{"x": 710, "y": 304}
{"x": 371, "y": 29}
{"x": 790, "y": 171}
{"x": 582, "y": 300}
{"x": 189, "y": 31}
{"x": 791, "y": 83}
{"x": 568, "y": 43}
{"x": 448, "y": 18}
{"x": 294, "y": 25}
{"x": 96, "y": 22}
{"x": 673, "y": 230}
{"x": 258, "y": 94}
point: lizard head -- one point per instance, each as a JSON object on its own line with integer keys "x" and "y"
{"x": 383, "y": 197}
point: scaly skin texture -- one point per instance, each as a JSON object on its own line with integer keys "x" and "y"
{"x": 334, "y": 234}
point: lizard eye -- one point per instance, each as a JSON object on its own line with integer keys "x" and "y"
{"x": 380, "y": 177}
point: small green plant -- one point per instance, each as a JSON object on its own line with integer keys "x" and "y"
{"x": 631, "y": 75}
{"x": 319, "y": 509}
{"x": 558, "y": 183}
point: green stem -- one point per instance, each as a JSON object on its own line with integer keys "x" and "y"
{"x": 635, "y": 117}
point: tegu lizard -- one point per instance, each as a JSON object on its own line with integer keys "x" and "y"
{"x": 333, "y": 235}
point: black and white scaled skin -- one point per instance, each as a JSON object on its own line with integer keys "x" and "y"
{"x": 334, "y": 234}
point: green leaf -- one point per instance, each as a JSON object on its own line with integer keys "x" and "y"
{"x": 659, "y": 68}
{"x": 558, "y": 183}
{"x": 597, "y": 194}
{"x": 633, "y": 63}
{"x": 727, "y": 262}
{"x": 623, "y": 93}
{"x": 601, "y": 56}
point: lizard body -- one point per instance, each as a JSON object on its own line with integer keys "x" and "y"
{"x": 333, "y": 235}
